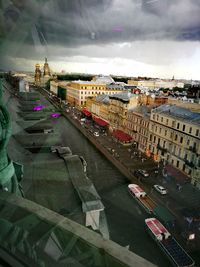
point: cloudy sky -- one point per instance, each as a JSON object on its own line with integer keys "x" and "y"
{"x": 158, "y": 38}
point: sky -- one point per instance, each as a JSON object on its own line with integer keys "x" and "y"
{"x": 154, "y": 38}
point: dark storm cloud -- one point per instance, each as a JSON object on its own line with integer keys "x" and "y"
{"x": 29, "y": 27}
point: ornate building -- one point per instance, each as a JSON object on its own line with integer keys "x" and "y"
{"x": 38, "y": 74}
{"x": 41, "y": 79}
{"x": 47, "y": 72}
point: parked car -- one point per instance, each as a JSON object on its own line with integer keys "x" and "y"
{"x": 142, "y": 173}
{"x": 160, "y": 189}
{"x": 96, "y": 134}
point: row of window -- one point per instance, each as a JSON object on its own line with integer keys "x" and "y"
{"x": 178, "y": 125}
{"x": 93, "y": 88}
{"x": 176, "y": 138}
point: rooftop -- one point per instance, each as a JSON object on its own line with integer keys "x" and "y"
{"x": 179, "y": 113}
{"x": 125, "y": 96}
{"x": 105, "y": 99}
{"x": 144, "y": 110}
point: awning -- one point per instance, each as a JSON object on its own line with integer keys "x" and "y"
{"x": 86, "y": 113}
{"x": 122, "y": 136}
{"x": 100, "y": 122}
{"x": 177, "y": 174}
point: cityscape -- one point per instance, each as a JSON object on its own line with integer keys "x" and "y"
{"x": 99, "y": 134}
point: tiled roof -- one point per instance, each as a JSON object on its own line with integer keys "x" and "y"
{"x": 125, "y": 96}
{"x": 103, "y": 99}
{"x": 179, "y": 113}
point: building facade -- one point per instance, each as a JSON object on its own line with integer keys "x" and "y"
{"x": 99, "y": 106}
{"x": 78, "y": 91}
{"x": 118, "y": 108}
{"x": 137, "y": 126}
{"x": 152, "y": 84}
{"x": 174, "y": 137}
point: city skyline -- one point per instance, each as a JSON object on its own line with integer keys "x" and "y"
{"x": 133, "y": 38}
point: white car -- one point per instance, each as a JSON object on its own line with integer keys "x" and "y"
{"x": 96, "y": 134}
{"x": 160, "y": 189}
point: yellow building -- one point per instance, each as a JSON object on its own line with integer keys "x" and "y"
{"x": 119, "y": 106}
{"x": 99, "y": 106}
{"x": 174, "y": 137}
{"x": 77, "y": 92}
{"x": 137, "y": 126}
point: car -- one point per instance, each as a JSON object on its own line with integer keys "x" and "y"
{"x": 144, "y": 173}
{"x": 96, "y": 134}
{"x": 160, "y": 189}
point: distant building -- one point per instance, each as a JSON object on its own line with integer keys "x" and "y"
{"x": 153, "y": 84}
{"x": 47, "y": 72}
{"x": 42, "y": 78}
{"x": 77, "y": 92}
{"x": 23, "y": 86}
{"x": 174, "y": 137}
{"x": 38, "y": 74}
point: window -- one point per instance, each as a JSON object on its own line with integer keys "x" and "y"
{"x": 157, "y": 117}
{"x": 164, "y": 143}
{"x": 176, "y": 137}
{"x": 161, "y": 119}
{"x": 190, "y": 130}
{"x": 165, "y": 132}
{"x": 183, "y": 127}
{"x": 197, "y": 132}
{"x": 149, "y": 147}
{"x": 160, "y": 130}
{"x": 153, "y": 116}
{"x": 167, "y": 121}
{"x": 177, "y": 163}
{"x": 181, "y": 140}
{"x": 178, "y": 124}
{"x": 183, "y": 167}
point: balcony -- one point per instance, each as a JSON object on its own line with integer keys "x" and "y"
{"x": 163, "y": 150}
{"x": 190, "y": 164}
{"x": 193, "y": 149}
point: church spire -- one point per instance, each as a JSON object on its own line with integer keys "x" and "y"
{"x": 46, "y": 68}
